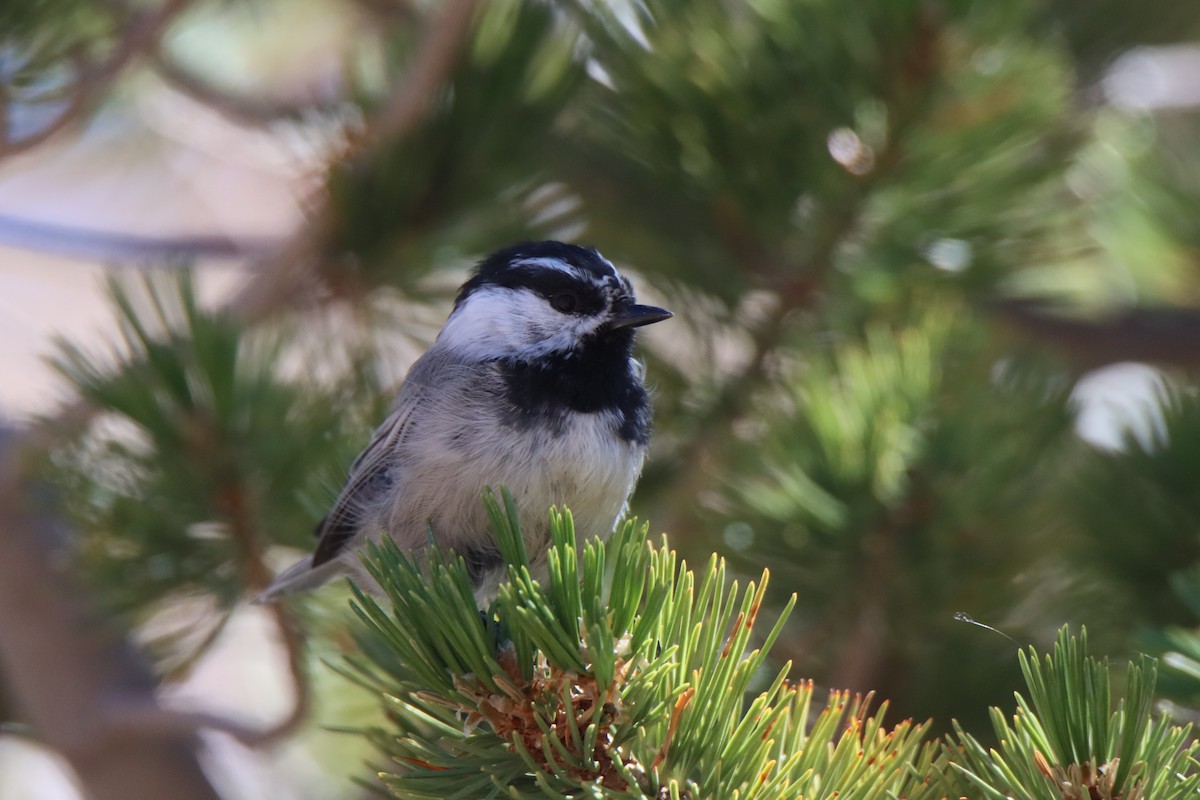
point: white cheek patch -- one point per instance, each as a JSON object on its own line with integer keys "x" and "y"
{"x": 488, "y": 324}
{"x": 506, "y": 323}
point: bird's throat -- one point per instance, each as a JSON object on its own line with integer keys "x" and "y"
{"x": 597, "y": 377}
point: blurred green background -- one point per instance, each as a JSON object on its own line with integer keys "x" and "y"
{"x": 907, "y": 244}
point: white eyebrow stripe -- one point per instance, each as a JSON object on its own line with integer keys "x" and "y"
{"x": 608, "y": 264}
{"x": 548, "y": 263}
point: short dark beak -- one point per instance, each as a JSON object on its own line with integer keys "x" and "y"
{"x": 635, "y": 316}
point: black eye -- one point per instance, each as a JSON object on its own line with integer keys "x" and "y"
{"x": 565, "y": 302}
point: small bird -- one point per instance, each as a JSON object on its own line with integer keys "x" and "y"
{"x": 531, "y": 384}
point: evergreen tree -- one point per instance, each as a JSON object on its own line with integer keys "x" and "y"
{"x": 896, "y": 236}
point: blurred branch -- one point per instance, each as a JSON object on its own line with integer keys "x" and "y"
{"x": 123, "y": 247}
{"x": 140, "y": 34}
{"x": 408, "y": 105}
{"x": 291, "y": 274}
{"x": 1167, "y": 336}
{"x": 879, "y": 568}
{"x": 70, "y": 674}
{"x": 390, "y": 10}
{"x": 239, "y": 108}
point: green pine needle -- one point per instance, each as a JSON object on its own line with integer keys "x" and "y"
{"x": 1068, "y": 742}
{"x": 605, "y": 674}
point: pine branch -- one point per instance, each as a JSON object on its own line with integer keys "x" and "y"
{"x": 619, "y": 673}
{"x": 1068, "y": 742}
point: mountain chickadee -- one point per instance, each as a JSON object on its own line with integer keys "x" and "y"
{"x": 531, "y": 384}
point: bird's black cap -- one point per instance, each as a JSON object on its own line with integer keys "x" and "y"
{"x": 517, "y": 267}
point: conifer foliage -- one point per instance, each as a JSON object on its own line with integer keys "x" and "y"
{"x": 622, "y": 674}
{"x": 897, "y": 236}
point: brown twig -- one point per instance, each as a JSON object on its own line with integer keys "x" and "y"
{"x": 141, "y": 34}
{"x": 131, "y": 715}
{"x": 864, "y": 646}
{"x": 234, "y": 502}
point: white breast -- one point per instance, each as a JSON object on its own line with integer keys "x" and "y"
{"x": 587, "y": 468}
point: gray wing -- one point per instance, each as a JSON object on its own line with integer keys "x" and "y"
{"x": 372, "y": 476}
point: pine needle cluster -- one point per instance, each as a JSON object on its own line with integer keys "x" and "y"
{"x": 620, "y": 673}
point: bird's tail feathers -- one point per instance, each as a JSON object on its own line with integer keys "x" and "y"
{"x": 300, "y": 577}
